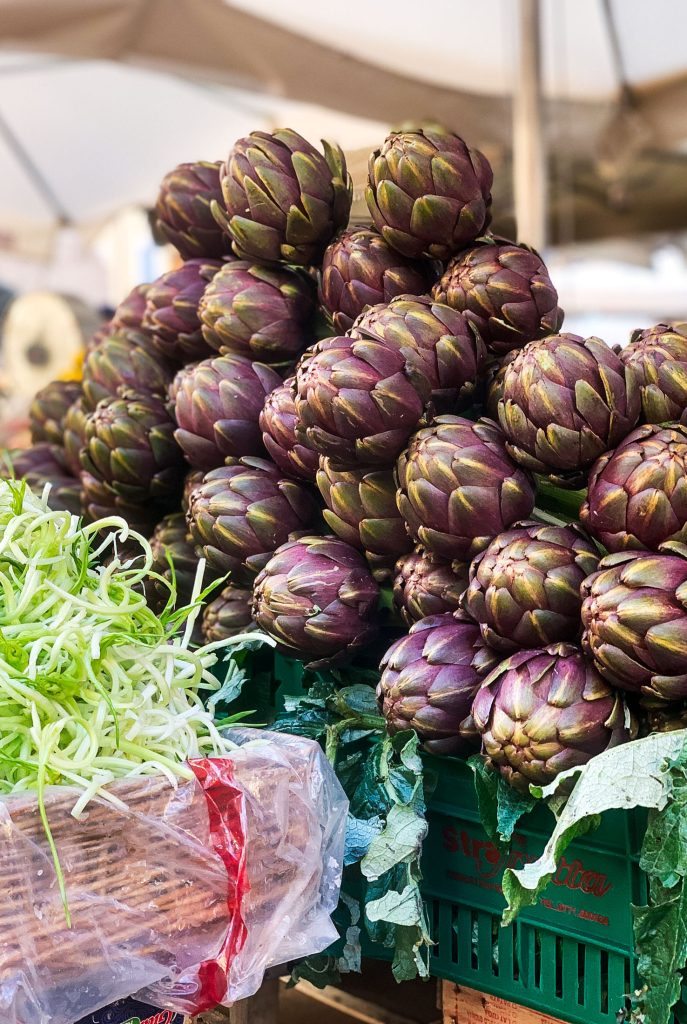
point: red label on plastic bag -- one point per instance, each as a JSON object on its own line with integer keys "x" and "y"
{"x": 225, "y": 810}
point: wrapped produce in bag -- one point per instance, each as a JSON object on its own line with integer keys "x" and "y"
{"x": 182, "y": 894}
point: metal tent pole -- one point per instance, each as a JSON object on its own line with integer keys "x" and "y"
{"x": 529, "y": 151}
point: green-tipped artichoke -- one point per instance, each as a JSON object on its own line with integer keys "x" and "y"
{"x": 183, "y": 210}
{"x": 541, "y": 712}
{"x": 525, "y": 587}
{"x": 425, "y": 584}
{"x": 278, "y": 423}
{"x": 99, "y": 502}
{"x": 261, "y": 313}
{"x": 435, "y": 340}
{"x": 228, "y": 614}
{"x": 429, "y": 680}
{"x": 49, "y": 409}
{"x": 74, "y": 435}
{"x": 635, "y": 618}
{"x": 171, "y": 317}
{"x": 42, "y": 464}
{"x": 359, "y": 270}
{"x": 458, "y": 487}
{"x": 361, "y": 509}
{"x": 217, "y": 405}
{"x": 240, "y": 514}
{"x": 283, "y": 200}
{"x": 505, "y": 290}
{"x": 318, "y": 600}
{"x": 566, "y": 400}
{"x": 130, "y": 449}
{"x": 358, "y": 401}
{"x": 428, "y": 193}
{"x": 658, "y": 357}
{"x": 637, "y": 494}
{"x": 124, "y": 360}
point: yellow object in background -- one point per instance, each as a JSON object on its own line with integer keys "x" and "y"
{"x": 75, "y": 372}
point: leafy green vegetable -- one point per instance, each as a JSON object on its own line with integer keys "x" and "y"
{"x": 500, "y": 806}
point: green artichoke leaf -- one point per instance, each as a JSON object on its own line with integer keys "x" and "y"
{"x": 631, "y": 775}
{"x": 500, "y": 806}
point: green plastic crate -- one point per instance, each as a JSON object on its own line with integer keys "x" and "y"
{"x": 571, "y": 956}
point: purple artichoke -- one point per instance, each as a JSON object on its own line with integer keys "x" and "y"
{"x": 566, "y": 400}
{"x": 130, "y": 449}
{"x": 183, "y": 211}
{"x": 49, "y": 409}
{"x": 429, "y": 680}
{"x": 635, "y": 618}
{"x": 427, "y": 585}
{"x": 658, "y": 357}
{"x": 99, "y": 502}
{"x": 217, "y": 404}
{"x": 458, "y": 487}
{"x": 505, "y": 290}
{"x": 130, "y": 312}
{"x": 278, "y": 424}
{"x": 228, "y": 614}
{"x": 74, "y": 435}
{"x": 435, "y": 340}
{"x": 525, "y": 587}
{"x": 359, "y": 270}
{"x": 260, "y": 312}
{"x": 318, "y": 600}
{"x": 358, "y": 401}
{"x": 171, "y": 317}
{"x": 541, "y": 712}
{"x": 240, "y": 514}
{"x": 428, "y": 193}
{"x": 283, "y": 200}
{"x": 361, "y": 509}
{"x": 124, "y": 360}
{"x": 637, "y": 495}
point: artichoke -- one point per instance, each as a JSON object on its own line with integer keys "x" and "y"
{"x": 183, "y": 211}
{"x": 541, "y": 712}
{"x": 435, "y": 340}
{"x": 74, "y": 435}
{"x": 428, "y": 193}
{"x": 658, "y": 357}
{"x": 278, "y": 424}
{"x": 44, "y": 463}
{"x": 49, "y": 408}
{"x": 635, "y": 618}
{"x": 131, "y": 310}
{"x": 126, "y": 359}
{"x": 361, "y": 509}
{"x": 240, "y": 514}
{"x": 217, "y": 404}
{"x": 171, "y": 316}
{"x": 429, "y": 680}
{"x": 493, "y": 385}
{"x": 318, "y": 600}
{"x": 263, "y": 313}
{"x": 637, "y": 495}
{"x": 358, "y": 401}
{"x": 525, "y": 587}
{"x": 170, "y": 543}
{"x": 458, "y": 487}
{"x": 192, "y": 479}
{"x": 283, "y": 200}
{"x": 505, "y": 290}
{"x": 427, "y": 585}
{"x": 227, "y": 615}
{"x": 130, "y": 449}
{"x": 566, "y": 400}
{"x": 359, "y": 270}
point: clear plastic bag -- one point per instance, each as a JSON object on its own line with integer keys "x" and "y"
{"x": 185, "y": 895}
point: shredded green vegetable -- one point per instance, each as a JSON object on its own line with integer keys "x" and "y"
{"x": 93, "y": 685}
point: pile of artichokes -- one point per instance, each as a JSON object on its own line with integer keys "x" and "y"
{"x": 429, "y": 442}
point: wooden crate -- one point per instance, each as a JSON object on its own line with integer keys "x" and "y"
{"x": 461, "y": 1005}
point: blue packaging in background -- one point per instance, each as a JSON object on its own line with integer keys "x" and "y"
{"x": 131, "y": 1011}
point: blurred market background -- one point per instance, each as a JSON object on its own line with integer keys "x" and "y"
{"x": 581, "y": 106}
